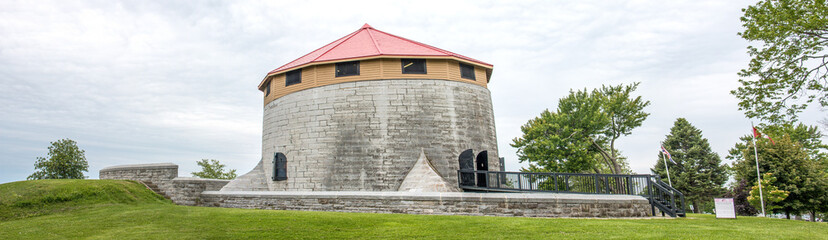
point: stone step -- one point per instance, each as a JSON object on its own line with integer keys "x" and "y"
{"x": 154, "y": 188}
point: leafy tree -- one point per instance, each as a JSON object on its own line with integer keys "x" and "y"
{"x": 698, "y": 172}
{"x": 580, "y": 136}
{"x": 796, "y": 172}
{"x": 808, "y": 136}
{"x": 214, "y": 170}
{"x": 770, "y": 194}
{"x": 66, "y": 161}
{"x": 791, "y": 65}
{"x": 739, "y": 192}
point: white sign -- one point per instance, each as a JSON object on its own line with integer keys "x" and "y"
{"x": 725, "y": 208}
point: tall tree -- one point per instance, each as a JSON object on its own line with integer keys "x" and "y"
{"x": 796, "y": 172}
{"x": 581, "y": 135}
{"x": 809, "y": 137}
{"x": 698, "y": 171}
{"x": 213, "y": 169}
{"x": 65, "y": 161}
{"x": 789, "y": 70}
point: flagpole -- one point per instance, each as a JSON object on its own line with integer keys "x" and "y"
{"x": 666, "y": 168}
{"x": 758, "y": 176}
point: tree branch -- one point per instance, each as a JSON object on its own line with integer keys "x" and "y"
{"x": 603, "y": 153}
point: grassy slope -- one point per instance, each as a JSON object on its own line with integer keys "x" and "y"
{"x": 33, "y": 198}
{"x": 140, "y": 217}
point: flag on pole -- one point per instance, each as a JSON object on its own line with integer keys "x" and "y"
{"x": 757, "y": 134}
{"x": 664, "y": 150}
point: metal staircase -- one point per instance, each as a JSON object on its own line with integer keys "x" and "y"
{"x": 667, "y": 199}
{"x": 661, "y": 196}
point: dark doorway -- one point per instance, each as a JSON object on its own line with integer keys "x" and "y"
{"x": 279, "y": 167}
{"x": 466, "y": 168}
{"x": 482, "y": 165}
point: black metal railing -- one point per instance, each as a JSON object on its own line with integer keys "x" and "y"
{"x": 667, "y": 199}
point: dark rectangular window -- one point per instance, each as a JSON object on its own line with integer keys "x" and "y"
{"x": 293, "y": 77}
{"x": 267, "y": 89}
{"x": 347, "y": 69}
{"x": 413, "y": 66}
{"x": 279, "y": 167}
{"x": 467, "y": 71}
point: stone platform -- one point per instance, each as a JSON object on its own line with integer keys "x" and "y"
{"x": 205, "y": 192}
{"x": 448, "y": 203}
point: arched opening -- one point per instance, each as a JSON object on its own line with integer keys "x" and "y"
{"x": 482, "y": 165}
{"x": 466, "y": 168}
{"x": 279, "y": 167}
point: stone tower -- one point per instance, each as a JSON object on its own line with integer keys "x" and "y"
{"x": 358, "y": 113}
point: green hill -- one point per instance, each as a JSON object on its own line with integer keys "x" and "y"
{"x": 106, "y": 209}
{"x": 39, "y": 197}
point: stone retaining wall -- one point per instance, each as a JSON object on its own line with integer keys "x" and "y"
{"x": 187, "y": 190}
{"x": 182, "y": 191}
{"x": 205, "y": 192}
{"x": 477, "y": 204}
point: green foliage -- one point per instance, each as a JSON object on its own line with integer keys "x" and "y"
{"x": 795, "y": 172}
{"x": 739, "y": 192}
{"x": 66, "y": 161}
{"x": 789, "y": 71}
{"x": 214, "y": 170}
{"x": 808, "y": 136}
{"x": 698, "y": 172}
{"x": 770, "y": 193}
{"x": 580, "y": 136}
{"x": 41, "y": 197}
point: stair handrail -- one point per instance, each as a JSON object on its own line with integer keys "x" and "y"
{"x": 677, "y": 206}
{"x": 681, "y": 195}
{"x": 655, "y": 190}
{"x": 658, "y": 196}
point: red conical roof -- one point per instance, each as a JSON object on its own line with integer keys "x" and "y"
{"x": 369, "y": 42}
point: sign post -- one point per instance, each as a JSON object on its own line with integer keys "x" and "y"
{"x": 725, "y": 208}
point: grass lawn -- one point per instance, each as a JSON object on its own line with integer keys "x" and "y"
{"x": 106, "y": 209}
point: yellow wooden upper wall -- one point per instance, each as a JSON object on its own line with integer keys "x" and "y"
{"x": 371, "y": 69}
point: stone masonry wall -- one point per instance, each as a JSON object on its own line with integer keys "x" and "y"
{"x": 454, "y": 203}
{"x": 160, "y": 174}
{"x": 182, "y": 191}
{"x": 365, "y": 136}
{"x": 205, "y": 192}
{"x": 187, "y": 190}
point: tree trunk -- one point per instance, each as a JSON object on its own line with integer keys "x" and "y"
{"x": 608, "y": 158}
{"x": 788, "y": 215}
{"x": 696, "y": 208}
{"x": 615, "y": 166}
{"x": 813, "y": 216}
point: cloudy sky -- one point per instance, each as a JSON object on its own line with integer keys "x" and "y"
{"x": 175, "y": 81}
